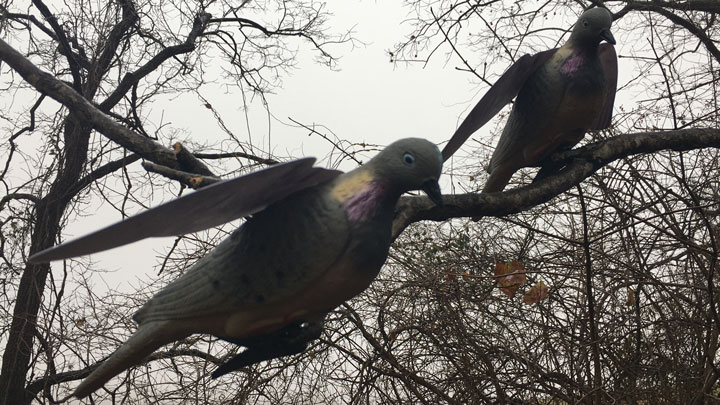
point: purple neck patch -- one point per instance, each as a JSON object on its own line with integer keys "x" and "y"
{"x": 364, "y": 205}
{"x": 573, "y": 63}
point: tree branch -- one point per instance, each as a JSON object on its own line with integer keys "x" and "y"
{"x": 45, "y": 83}
{"x": 102, "y": 171}
{"x": 29, "y": 17}
{"x": 192, "y": 180}
{"x": 661, "y": 7}
{"x": 36, "y": 386}
{"x": 190, "y": 162}
{"x": 707, "y": 6}
{"x": 226, "y": 155}
{"x": 130, "y": 79}
{"x": 581, "y": 163}
{"x": 102, "y": 63}
{"x": 64, "y": 43}
{"x": 18, "y": 196}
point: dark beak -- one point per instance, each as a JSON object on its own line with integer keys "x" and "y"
{"x": 432, "y": 189}
{"x": 607, "y": 36}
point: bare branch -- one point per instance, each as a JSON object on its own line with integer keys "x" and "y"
{"x": 64, "y": 44}
{"x": 662, "y": 8}
{"x": 581, "y": 163}
{"x": 18, "y": 196}
{"x": 189, "y": 179}
{"x": 130, "y": 79}
{"x": 48, "y": 84}
{"x": 243, "y": 155}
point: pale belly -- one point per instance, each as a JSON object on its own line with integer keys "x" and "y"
{"x": 337, "y": 285}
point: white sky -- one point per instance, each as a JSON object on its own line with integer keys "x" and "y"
{"x": 369, "y": 99}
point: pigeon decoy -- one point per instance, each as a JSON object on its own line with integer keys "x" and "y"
{"x": 561, "y": 94}
{"x": 315, "y": 239}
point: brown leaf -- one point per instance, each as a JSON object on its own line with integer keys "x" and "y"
{"x": 537, "y": 293}
{"x": 630, "y": 297}
{"x": 509, "y": 276}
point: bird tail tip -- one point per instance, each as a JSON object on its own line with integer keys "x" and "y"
{"x": 141, "y": 344}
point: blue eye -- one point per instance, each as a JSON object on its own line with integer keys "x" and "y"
{"x": 409, "y": 159}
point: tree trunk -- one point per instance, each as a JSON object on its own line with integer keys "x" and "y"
{"x": 49, "y": 211}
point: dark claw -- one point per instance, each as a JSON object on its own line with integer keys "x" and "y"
{"x": 292, "y": 339}
{"x": 545, "y": 171}
{"x": 547, "y": 167}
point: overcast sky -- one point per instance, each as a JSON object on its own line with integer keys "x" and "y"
{"x": 368, "y": 99}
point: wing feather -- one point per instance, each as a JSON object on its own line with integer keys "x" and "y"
{"x": 609, "y": 61}
{"x": 210, "y": 206}
{"x": 268, "y": 259}
{"x": 502, "y": 92}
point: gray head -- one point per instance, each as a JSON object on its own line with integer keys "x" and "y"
{"x": 592, "y": 27}
{"x": 411, "y": 164}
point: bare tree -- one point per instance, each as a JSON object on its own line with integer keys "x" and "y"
{"x": 107, "y": 63}
{"x": 625, "y": 236}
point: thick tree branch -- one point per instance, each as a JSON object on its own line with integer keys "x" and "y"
{"x": 132, "y": 78}
{"x": 581, "y": 163}
{"x": 102, "y": 63}
{"x": 190, "y": 162}
{"x": 48, "y": 84}
{"x": 64, "y": 43}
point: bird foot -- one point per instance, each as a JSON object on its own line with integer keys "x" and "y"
{"x": 292, "y": 339}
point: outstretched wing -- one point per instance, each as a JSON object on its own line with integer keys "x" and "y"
{"x": 609, "y": 61}
{"x": 260, "y": 271}
{"x": 502, "y": 92}
{"x": 210, "y": 206}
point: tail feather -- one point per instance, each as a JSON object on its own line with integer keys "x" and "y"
{"x": 142, "y": 343}
{"x": 499, "y": 178}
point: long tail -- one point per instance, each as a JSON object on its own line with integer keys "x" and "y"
{"x": 142, "y": 343}
{"x": 499, "y": 178}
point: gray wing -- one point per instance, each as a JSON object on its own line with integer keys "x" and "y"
{"x": 534, "y": 107}
{"x": 270, "y": 258}
{"x": 210, "y": 206}
{"x": 502, "y": 92}
{"x": 609, "y": 61}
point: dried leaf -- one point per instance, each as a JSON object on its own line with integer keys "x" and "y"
{"x": 509, "y": 276}
{"x": 630, "y": 297}
{"x": 537, "y": 293}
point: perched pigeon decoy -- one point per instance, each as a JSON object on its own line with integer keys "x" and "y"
{"x": 561, "y": 94}
{"x": 315, "y": 239}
